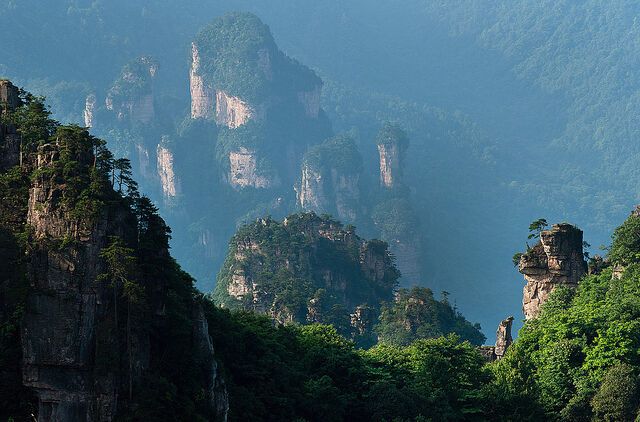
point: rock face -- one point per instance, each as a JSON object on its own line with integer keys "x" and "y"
{"x": 503, "y": 341}
{"x": 131, "y": 95}
{"x": 65, "y": 313}
{"x": 556, "y": 260}
{"x": 390, "y": 164}
{"x": 202, "y": 94}
{"x": 329, "y": 191}
{"x": 310, "y": 100}
{"x": 89, "y": 110}
{"x": 357, "y": 277}
{"x": 231, "y": 111}
{"x": 8, "y": 95}
{"x": 166, "y": 172}
{"x": 243, "y": 170}
{"x": 503, "y": 337}
{"x": 330, "y": 181}
{"x": 9, "y": 138}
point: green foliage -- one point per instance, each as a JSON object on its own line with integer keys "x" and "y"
{"x": 312, "y": 373}
{"x": 625, "y": 248}
{"x": 395, "y": 218}
{"x": 415, "y": 314}
{"x": 134, "y": 81}
{"x": 239, "y": 56}
{"x": 340, "y": 153}
{"x": 391, "y": 133}
{"x": 288, "y": 262}
{"x": 536, "y": 227}
{"x": 618, "y": 396}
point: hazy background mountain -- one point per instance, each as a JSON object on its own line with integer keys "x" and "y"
{"x": 514, "y": 111}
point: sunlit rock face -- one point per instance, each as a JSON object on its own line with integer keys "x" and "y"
{"x": 503, "y": 342}
{"x": 166, "y": 172}
{"x": 244, "y": 172}
{"x": 503, "y": 337}
{"x": 311, "y": 195}
{"x": 89, "y": 110}
{"x": 556, "y": 260}
{"x": 231, "y": 111}
{"x": 390, "y": 164}
{"x": 202, "y": 94}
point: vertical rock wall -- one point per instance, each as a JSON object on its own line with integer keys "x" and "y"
{"x": 166, "y": 172}
{"x": 202, "y": 95}
{"x": 557, "y": 260}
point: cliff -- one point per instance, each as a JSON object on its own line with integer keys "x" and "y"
{"x": 307, "y": 269}
{"x": 330, "y": 179}
{"x": 392, "y": 146}
{"x": 239, "y": 78}
{"x": 131, "y": 95}
{"x": 9, "y": 138}
{"x": 166, "y": 172}
{"x": 106, "y": 316}
{"x": 558, "y": 259}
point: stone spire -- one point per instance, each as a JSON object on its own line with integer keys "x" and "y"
{"x": 556, "y": 260}
{"x": 503, "y": 337}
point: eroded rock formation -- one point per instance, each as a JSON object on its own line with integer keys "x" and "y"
{"x": 202, "y": 94}
{"x": 357, "y": 278}
{"x": 556, "y": 260}
{"x": 390, "y": 164}
{"x": 9, "y": 137}
{"x": 231, "y": 111}
{"x": 166, "y": 172}
{"x": 503, "y": 342}
{"x": 89, "y": 110}
{"x": 310, "y": 100}
{"x": 244, "y": 172}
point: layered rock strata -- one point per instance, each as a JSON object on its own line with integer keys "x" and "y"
{"x": 557, "y": 260}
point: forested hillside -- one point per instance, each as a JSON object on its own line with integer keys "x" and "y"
{"x": 515, "y": 111}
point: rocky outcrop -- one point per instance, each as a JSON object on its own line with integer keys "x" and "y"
{"x": 231, "y": 111}
{"x": 244, "y": 172}
{"x": 556, "y": 260}
{"x": 503, "y": 341}
{"x": 89, "y": 110}
{"x": 202, "y": 94}
{"x": 357, "y": 277}
{"x": 503, "y": 337}
{"x": 166, "y": 172}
